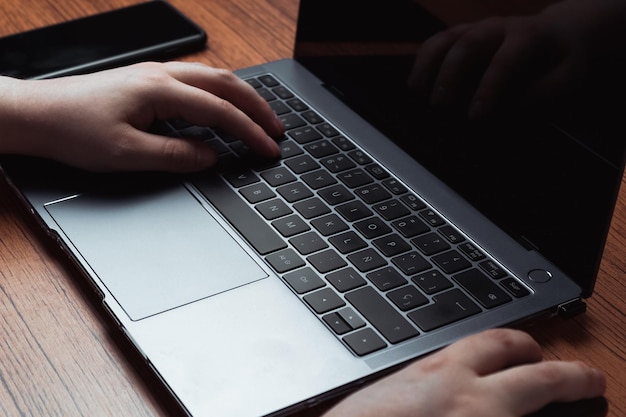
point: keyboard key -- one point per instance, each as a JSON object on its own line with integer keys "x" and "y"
{"x": 373, "y": 193}
{"x": 297, "y": 105}
{"x": 407, "y": 298}
{"x": 345, "y": 279}
{"x": 312, "y": 117}
{"x": 295, "y": 191}
{"x": 492, "y": 269}
{"x": 302, "y": 164}
{"x": 432, "y": 281}
{"x": 313, "y": 207}
{"x": 321, "y": 149}
{"x": 372, "y": 227}
{"x": 354, "y": 210}
{"x": 367, "y": 260}
{"x": 308, "y": 243}
{"x": 360, "y": 157}
{"x": 241, "y": 178}
{"x": 304, "y": 280}
{"x": 290, "y": 225}
{"x": 430, "y": 243}
{"x": 432, "y": 218}
{"x": 278, "y": 176}
{"x": 394, "y": 186}
{"x": 279, "y": 107}
{"x": 343, "y": 143}
{"x": 282, "y": 92}
{"x": 327, "y": 130}
{"x": 329, "y": 225}
{"x": 326, "y": 261}
{"x": 413, "y": 202}
{"x": 391, "y": 209}
{"x": 336, "y": 194}
{"x": 318, "y": 179}
{"x": 410, "y": 226}
{"x": 291, "y": 121}
{"x": 381, "y": 314}
{"x": 391, "y": 245}
{"x": 268, "y": 80}
{"x": 451, "y": 262}
{"x": 471, "y": 251}
{"x": 411, "y": 263}
{"x": 482, "y": 288}
{"x": 337, "y": 163}
{"x": 347, "y": 242}
{"x": 377, "y": 171}
{"x": 266, "y": 94}
{"x": 514, "y": 287}
{"x": 324, "y": 300}
{"x": 257, "y": 192}
{"x": 386, "y": 279}
{"x": 273, "y": 209}
{"x": 354, "y": 178}
{"x": 448, "y": 307}
{"x": 364, "y": 342}
{"x": 304, "y": 134}
{"x": 350, "y": 317}
{"x": 336, "y": 323}
{"x": 289, "y": 149}
{"x": 451, "y": 234}
{"x": 285, "y": 260}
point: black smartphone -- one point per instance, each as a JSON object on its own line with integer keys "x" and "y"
{"x": 154, "y": 30}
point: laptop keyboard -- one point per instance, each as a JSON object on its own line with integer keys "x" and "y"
{"x": 364, "y": 253}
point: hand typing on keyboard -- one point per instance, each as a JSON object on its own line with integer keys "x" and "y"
{"x": 498, "y": 373}
{"x": 105, "y": 122}
{"x": 99, "y": 122}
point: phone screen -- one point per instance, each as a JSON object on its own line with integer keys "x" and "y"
{"x": 152, "y": 30}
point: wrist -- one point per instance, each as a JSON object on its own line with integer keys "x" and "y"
{"x": 9, "y": 113}
{"x": 20, "y": 116}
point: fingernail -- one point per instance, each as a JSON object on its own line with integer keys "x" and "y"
{"x": 278, "y": 124}
{"x": 273, "y": 147}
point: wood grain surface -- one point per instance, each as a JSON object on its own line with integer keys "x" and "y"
{"x": 58, "y": 357}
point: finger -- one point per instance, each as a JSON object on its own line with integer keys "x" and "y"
{"x": 539, "y": 384}
{"x": 465, "y": 62}
{"x": 231, "y": 88}
{"x": 430, "y": 57}
{"x": 176, "y": 99}
{"x": 494, "y": 350}
{"x": 149, "y": 152}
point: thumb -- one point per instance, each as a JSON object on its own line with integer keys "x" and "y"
{"x": 152, "y": 152}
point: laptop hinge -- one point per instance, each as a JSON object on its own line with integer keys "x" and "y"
{"x": 572, "y": 308}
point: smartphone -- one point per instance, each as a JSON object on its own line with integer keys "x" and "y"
{"x": 154, "y": 30}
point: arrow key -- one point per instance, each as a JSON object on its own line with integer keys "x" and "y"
{"x": 364, "y": 342}
{"x": 324, "y": 300}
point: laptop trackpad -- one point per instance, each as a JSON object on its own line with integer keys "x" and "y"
{"x": 155, "y": 250}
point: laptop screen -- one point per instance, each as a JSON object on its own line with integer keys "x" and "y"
{"x": 551, "y": 186}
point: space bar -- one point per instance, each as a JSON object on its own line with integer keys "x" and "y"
{"x": 247, "y": 222}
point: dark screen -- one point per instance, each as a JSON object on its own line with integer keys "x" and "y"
{"x": 120, "y": 36}
{"x": 549, "y": 180}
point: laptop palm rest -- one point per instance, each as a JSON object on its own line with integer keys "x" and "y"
{"x": 154, "y": 250}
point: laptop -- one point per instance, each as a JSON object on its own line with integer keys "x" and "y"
{"x": 384, "y": 233}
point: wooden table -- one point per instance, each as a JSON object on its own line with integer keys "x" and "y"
{"x": 57, "y": 355}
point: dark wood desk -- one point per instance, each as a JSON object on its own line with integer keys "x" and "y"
{"x": 57, "y": 356}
